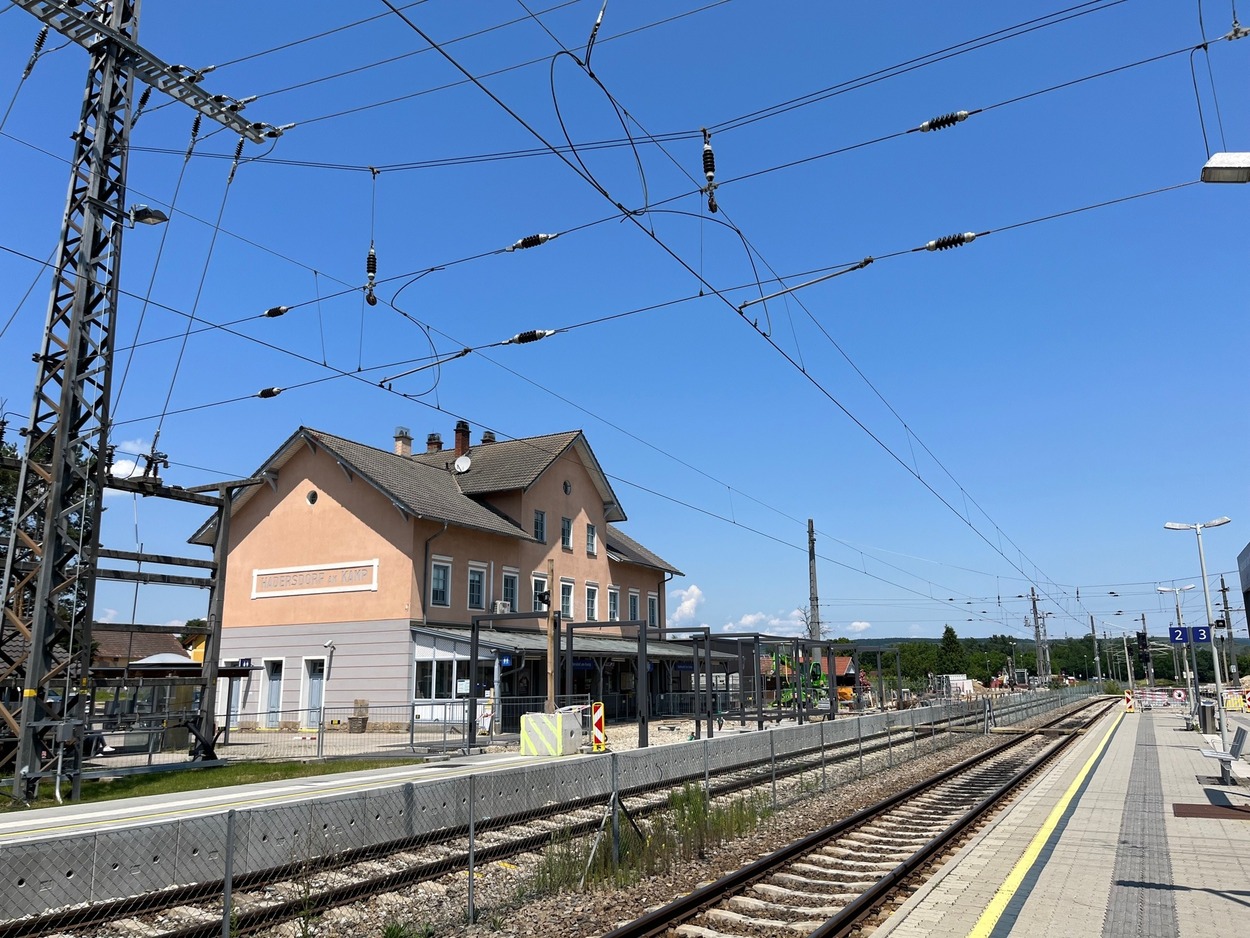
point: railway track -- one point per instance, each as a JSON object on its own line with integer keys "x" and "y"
{"x": 302, "y": 889}
{"x": 829, "y": 883}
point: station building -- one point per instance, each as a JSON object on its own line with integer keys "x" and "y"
{"x": 353, "y": 573}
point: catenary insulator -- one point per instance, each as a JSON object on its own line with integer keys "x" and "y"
{"x": 532, "y": 335}
{"x": 371, "y": 264}
{"x": 269, "y": 392}
{"x": 143, "y": 102}
{"x": 709, "y": 162}
{"x": 951, "y": 241}
{"x": 274, "y": 312}
{"x": 34, "y": 55}
{"x": 946, "y": 120}
{"x": 530, "y": 241}
{"x": 195, "y": 126}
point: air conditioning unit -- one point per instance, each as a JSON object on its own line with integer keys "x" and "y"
{"x": 502, "y": 606}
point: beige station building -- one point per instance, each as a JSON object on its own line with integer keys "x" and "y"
{"x": 353, "y": 573}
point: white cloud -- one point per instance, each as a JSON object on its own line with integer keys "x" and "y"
{"x": 770, "y": 623}
{"x": 106, "y": 615}
{"x": 689, "y": 600}
{"x": 855, "y": 628}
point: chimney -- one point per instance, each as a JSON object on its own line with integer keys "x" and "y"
{"x": 433, "y": 443}
{"x": 488, "y": 436}
{"x": 462, "y": 437}
{"x": 403, "y": 442}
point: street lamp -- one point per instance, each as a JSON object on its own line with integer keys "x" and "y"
{"x": 1180, "y": 623}
{"x": 1227, "y": 167}
{"x": 1206, "y": 593}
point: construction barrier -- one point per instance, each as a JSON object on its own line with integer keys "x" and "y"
{"x": 1128, "y": 702}
{"x": 598, "y": 731}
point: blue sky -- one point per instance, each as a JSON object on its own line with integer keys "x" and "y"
{"x": 1025, "y": 410}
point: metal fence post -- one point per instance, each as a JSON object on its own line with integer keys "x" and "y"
{"x": 321, "y": 734}
{"x": 707, "y": 764}
{"x": 823, "y": 785}
{"x": 472, "y": 846}
{"x": 889, "y": 740}
{"x": 915, "y": 742}
{"x": 859, "y": 740}
{"x": 227, "y": 878}
{"x": 616, "y": 816}
{"x": 772, "y": 761}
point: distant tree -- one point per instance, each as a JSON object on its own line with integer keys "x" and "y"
{"x": 184, "y": 638}
{"x": 951, "y": 658}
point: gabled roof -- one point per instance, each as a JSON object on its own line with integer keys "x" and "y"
{"x": 510, "y": 465}
{"x": 414, "y": 488}
{"x": 622, "y": 547}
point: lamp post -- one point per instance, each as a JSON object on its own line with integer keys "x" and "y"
{"x": 1191, "y": 663}
{"x": 1206, "y": 593}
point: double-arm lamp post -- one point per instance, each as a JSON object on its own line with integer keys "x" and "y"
{"x": 1206, "y": 593}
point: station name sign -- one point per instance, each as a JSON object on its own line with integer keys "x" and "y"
{"x": 353, "y": 576}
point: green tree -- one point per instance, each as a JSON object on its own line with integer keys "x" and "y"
{"x": 951, "y": 658}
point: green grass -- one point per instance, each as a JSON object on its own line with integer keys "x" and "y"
{"x": 169, "y": 782}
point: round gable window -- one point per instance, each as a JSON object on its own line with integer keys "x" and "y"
{"x": 568, "y": 486}
{"x": 312, "y": 497}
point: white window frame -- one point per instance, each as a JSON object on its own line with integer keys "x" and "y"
{"x": 592, "y": 602}
{"x": 635, "y": 606}
{"x": 478, "y": 569}
{"x": 614, "y": 604}
{"x": 592, "y": 540}
{"x": 566, "y": 533}
{"x": 513, "y": 574}
{"x": 653, "y": 610}
{"x": 540, "y": 525}
{"x": 447, "y": 563}
{"x": 538, "y": 583}
{"x": 566, "y": 590}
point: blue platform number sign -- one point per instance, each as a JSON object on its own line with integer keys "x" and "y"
{"x": 1178, "y": 634}
{"x": 1201, "y": 633}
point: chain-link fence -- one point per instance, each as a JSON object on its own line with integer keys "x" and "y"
{"x": 539, "y": 827}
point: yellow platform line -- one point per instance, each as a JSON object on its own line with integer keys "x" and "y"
{"x": 1006, "y": 892}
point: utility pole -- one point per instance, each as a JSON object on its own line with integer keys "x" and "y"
{"x": 1128, "y": 662}
{"x": 50, "y": 569}
{"x": 813, "y": 620}
{"x": 1149, "y": 662}
{"x": 553, "y": 636}
{"x": 1039, "y": 639}
{"x": 1234, "y": 676}
{"x": 1097, "y": 663}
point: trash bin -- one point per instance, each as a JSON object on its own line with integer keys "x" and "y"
{"x": 1206, "y": 717}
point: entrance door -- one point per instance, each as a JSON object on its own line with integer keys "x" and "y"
{"x": 273, "y": 697}
{"x": 316, "y": 672}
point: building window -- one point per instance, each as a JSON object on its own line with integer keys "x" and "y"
{"x": 592, "y": 543}
{"x": 440, "y": 584}
{"x": 434, "y": 680}
{"x": 633, "y": 606}
{"x": 477, "y": 588}
{"x": 566, "y": 600}
{"x": 592, "y": 603}
{"x": 614, "y": 604}
{"x": 566, "y": 533}
{"x": 540, "y": 586}
{"x": 511, "y": 587}
{"x": 540, "y": 526}
{"x": 653, "y": 610}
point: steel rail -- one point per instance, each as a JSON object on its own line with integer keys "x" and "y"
{"x": 659, "y": 921}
